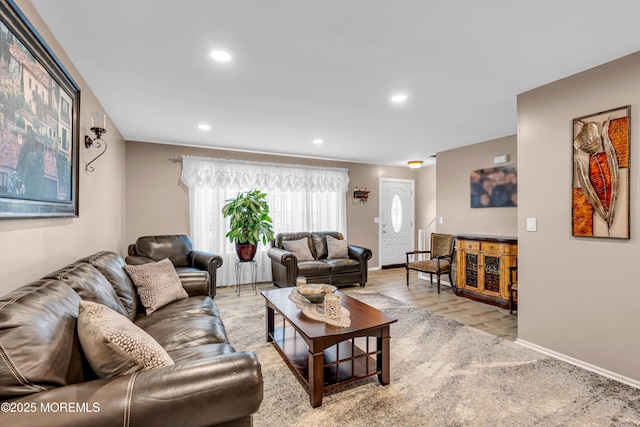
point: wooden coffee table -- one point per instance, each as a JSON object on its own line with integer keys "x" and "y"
{"x": 323, "y": 356}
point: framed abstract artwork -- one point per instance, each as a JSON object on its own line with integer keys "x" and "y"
{"x": 494, "y": 187}
{"x": 39, "y": 125}
{"x": 600, "y": 198}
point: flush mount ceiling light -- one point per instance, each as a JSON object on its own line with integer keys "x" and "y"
{"x": 317, "y": 141}
{"x": 220, "y": 55}
{"x": 399, "y": 98}
{"x": 204, "y": 126}
{"x": 415, "y": 164}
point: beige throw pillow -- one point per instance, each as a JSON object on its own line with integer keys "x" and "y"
{"x": 337, "y": 248}
{"x": 114, "y": 345}
{"x": 300, "y": 248}
{"x": 158, "y": 284}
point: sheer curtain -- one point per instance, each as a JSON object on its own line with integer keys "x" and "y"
{"x": 301, "y": 198}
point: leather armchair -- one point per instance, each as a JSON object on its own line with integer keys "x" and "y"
{"x": 191, "y": 265}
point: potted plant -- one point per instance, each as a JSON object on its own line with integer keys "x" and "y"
{"x": 249, "y": 222}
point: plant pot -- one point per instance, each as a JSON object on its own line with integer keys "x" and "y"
{"x": 246, "y": 251}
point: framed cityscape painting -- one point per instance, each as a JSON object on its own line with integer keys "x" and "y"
{"x": 39, "y": 126}
{"x": 600, "y": 199}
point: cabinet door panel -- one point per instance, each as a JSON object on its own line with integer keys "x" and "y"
{"x": 471, "y": 270}
{"x": 492, "y": 274}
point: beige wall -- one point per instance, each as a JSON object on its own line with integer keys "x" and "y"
{"x": 158, "y": 204}
{"x": 453, "y": 196}
{"x": 578, "y": 297}
{"x": 425, "y": 197}
{"x": 32, "y": 248}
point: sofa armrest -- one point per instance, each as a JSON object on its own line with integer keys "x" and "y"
{"x": 282, "y": 256}
{"x": 194, "y": 393}
{"x": 284, "y": 266}
{"x": 361, "y": 254}
{"x": 208, "y": 262}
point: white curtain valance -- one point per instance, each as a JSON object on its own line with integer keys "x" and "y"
{"x": 223, "y": 173}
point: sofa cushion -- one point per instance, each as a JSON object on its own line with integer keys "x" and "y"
{"x": 39, "y": 347}
{"x": 176, "y": 333}
{"x": 114, "y": 345}
{"x": 320, "y": 245}
{"x": 157, "y": 283}
{"x": 343, "y": 265}
{"x": 90, "y": 284}
{"x": 337, "y": 248}
{"x": 313, "y": 268}
{"x": 200, "y": 352}
{"x": 198, "y": 305}
{"x": 300, "y": 248}
{"x": 111, "y": 265}
{"x": 175, "y": 247}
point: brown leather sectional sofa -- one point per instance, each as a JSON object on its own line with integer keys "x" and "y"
{"x": 286, "y": 267}
{"x": 45, "y": 378}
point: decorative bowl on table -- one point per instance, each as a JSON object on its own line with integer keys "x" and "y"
{"x": 315, "y": 292}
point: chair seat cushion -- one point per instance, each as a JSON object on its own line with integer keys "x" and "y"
{"x": 430, "y": 266}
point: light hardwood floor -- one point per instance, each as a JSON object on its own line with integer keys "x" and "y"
{"x": 421, "y": 293}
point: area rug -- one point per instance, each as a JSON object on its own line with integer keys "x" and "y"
{"x": 443, "y": 373}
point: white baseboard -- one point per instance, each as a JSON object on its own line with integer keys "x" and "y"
{"x": 581, "y": 364}
{"x": 374, "y": 268}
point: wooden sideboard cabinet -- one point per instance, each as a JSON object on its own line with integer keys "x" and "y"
{"x": 482, "y": 271}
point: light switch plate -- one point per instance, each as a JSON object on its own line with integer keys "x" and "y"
{"x": 532, "y": 224}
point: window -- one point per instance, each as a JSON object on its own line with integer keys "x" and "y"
{"x": 396, "y": 214}
{"x": 300, "y": 198}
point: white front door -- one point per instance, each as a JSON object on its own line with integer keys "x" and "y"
{"x": 396, "y": 220}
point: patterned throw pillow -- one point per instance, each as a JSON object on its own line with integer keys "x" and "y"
{"x": 114, "y": 345}
{"x": 337, "y": 248}
{"x": 300, "y": 248}
{"x": 158, "y": 284}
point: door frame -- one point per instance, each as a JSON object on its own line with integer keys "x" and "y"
{"x": 380, "y": 210}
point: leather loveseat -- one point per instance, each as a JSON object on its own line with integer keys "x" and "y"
{"x": 45, "y": 377}
{"x": 286, "y": 266}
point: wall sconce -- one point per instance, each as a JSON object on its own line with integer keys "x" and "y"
{"x": 97, "y": 127}
{"x": 415, "y": 164}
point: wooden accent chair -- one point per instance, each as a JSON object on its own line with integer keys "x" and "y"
{"x": 439, "y": 260}
{"x": 513, "y": 287}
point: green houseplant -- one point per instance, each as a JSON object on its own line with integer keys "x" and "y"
{"x": 249, "y": 222}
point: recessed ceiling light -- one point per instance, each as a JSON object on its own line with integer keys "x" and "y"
{"x": 204, "y": 127}
{"x": 220, "y": 55}
{"x": 317, "y": 141}
{"x": 400, "y": 97}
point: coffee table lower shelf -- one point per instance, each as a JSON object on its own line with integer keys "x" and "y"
{"x": 344, "y": 362}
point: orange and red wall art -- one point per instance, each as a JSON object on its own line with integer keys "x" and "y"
{"x": 600, "y": 193}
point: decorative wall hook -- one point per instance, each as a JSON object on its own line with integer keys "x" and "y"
{"x": 97, "y": 127}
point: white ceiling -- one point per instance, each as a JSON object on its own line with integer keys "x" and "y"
{"x": 326, "y": 69}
